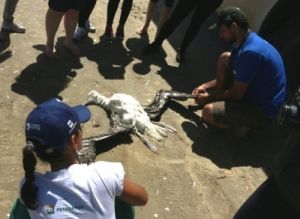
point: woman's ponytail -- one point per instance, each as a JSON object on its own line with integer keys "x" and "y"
{"x": 29, "y": 189}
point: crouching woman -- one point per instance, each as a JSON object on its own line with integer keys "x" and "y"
{"x": 70, "y": 189}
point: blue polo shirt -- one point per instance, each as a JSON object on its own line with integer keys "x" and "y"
{"x": 258, "y": 63}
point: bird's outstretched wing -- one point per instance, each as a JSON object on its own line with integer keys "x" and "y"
{"x": 87, "y": 153}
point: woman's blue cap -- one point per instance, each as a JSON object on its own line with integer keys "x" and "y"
{"x": 53, "y": 122}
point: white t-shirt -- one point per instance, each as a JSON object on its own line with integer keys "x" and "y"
{"x": 81, "y": 191}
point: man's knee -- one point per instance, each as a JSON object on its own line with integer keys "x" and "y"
{"x": 207, "y": 113}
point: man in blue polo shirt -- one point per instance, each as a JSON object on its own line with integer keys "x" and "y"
{"x": 250, "y": 85}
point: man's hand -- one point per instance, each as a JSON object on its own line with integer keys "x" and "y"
{"x": 201, "y": 94}
{"x": 201, "y": 99}
{"x": 199, "y": 90}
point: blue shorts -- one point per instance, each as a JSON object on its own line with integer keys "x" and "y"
{"x": 65, "y": 5}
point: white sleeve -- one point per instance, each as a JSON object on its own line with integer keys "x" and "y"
{"x": 112, "y": 174}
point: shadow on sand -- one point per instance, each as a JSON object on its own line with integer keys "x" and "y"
{"x": 46, "y": 78}
{"x": 257, "y": 148}
{"x": 4, "y": 44}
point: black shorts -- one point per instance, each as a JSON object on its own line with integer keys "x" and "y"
{"x": 239, "y": 113}
{"x": 65, "y": 5}
{"x": 168, "y": 3}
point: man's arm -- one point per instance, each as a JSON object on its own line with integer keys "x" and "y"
{"x": 237, "y": 92}
{"x": 204, "y": 87}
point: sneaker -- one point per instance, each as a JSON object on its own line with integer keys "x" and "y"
{"x": 13, "y": 27}
{"x": 79, "y": 34}
{"x": 89, "y": 27}
{"x": 109, "y": 33}
{"x": 120, "y": 33}
{"x": 151, "y": 48}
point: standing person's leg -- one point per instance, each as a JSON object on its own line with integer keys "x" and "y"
{"x": 202, "y": 12}
{"x": 181, "y": 10}
{"x": 53, "y": 19}
{"x": 112, "y": 7}
{"x": 85, "y": 12}
{"x": 83, "y": 20}
{"x": 164, "y": 15}
{"x": 126, "y": 8}
{"x": 70, "y": 22}
{"x": 8, "y": 18}
{"x": 150, "y": 9}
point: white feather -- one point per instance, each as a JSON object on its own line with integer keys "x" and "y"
{"x": 128, "y": 113}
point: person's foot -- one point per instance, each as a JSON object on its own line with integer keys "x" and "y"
{"x": 89, "y": 27}
{"x": 180, "y": 56}
{"x": 13, "y": 27}
{"x": 151, "y": 48}
{"x": 120, "y": 33}
{"x": 109, "y": 33}
{"x": 80, "y": 33}
{"x": 71, "y": 47}
{"x": 50, "y": 52}
{"x": 142, "y": 31}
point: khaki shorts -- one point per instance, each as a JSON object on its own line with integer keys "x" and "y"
{"x": 238, "y": 113}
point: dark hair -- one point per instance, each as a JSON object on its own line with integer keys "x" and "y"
{"x": 29, "y": 190}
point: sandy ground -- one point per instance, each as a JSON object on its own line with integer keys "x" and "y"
{"x": 198, "y": 173}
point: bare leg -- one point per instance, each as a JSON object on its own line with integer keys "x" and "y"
{"x": 208, "y": 117}
{"x": 70, "y": 22}
{"x": 150, "y": 10}
{"x": 164, "y": 15}
{"x": 53, "y": 19}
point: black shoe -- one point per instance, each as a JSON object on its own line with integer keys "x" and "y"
{"x": 151, "y": 48}
{"x": 109, "y": 33}
{"x": 120, "y": 33}
{"x": 180, "y": 57}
